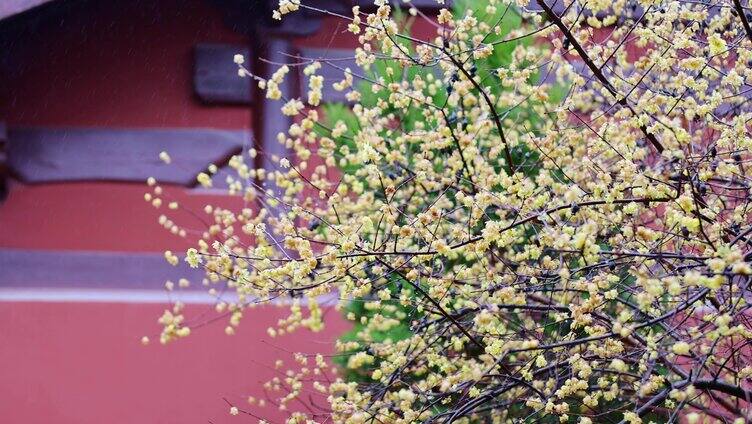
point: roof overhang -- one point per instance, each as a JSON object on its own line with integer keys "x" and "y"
{"x": 9, "y": 8}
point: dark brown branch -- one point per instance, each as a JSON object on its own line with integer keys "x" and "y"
{"x": 597, "y": 71}
{"x": 743, "y": 17}
{"x": 491, "y": 107}
{"x": 726, "y": 388}
{"x": 436, "y": 304}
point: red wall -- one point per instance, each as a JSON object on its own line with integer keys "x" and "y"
{"x": 105, "y": 64}
{"x": 97, "y": 216}
{"x": 114, "y": 63}
{"x": 119, "y": 64}
{"x": 82, "y": 363}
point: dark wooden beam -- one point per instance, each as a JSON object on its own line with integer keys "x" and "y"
{"x": 20, "y": 268}
{"x": 215, "y": 74}
{"x": 271, "y": 120}
{"x": 39, "y": 155}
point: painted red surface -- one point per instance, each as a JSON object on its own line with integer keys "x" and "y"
{"x": 123, "y": 64}
{"x": 82, "y": 363}
{"x": 115, "y": 64}
{"x": 98, "y": 216}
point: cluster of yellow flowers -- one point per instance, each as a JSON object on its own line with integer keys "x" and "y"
{"x": 534, "y": 218}
{"x": 285, "y": 7}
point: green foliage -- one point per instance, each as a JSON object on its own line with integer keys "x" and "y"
{"x": 506, "y": 19}
{"x": 389, "y": 309}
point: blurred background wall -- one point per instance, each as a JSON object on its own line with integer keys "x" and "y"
{"x": 90, "y": 92}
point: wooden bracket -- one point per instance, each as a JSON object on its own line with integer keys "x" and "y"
{"x": 215, "y": 74}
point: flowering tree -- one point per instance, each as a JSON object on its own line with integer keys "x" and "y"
{"x": 539, "y": 215}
